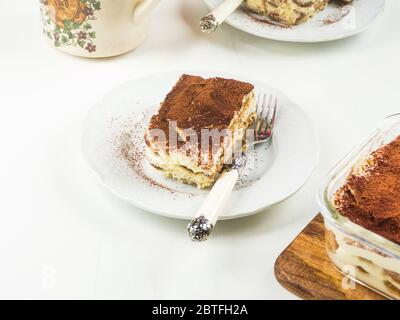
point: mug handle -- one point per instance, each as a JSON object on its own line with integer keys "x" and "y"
{"x": 143, "y": 9}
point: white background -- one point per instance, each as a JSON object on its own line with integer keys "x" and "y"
{"x": 63, "y": 236}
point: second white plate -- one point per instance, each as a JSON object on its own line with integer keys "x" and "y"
{"x": 333, "y": 23}
{"x": 114, "y": 148}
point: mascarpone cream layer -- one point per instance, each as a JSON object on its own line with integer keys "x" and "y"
{"x": 374, "y": 268}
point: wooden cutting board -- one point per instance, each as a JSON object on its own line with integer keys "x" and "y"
{"x": 304, "y": 269}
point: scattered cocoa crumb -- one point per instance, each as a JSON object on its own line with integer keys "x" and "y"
{"x": 340, "y": 3}
{"x": 247, "y": 178}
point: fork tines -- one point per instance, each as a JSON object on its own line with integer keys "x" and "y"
{"x": 266, "y": 113}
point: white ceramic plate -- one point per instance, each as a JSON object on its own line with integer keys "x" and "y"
{"x": 333, "y": 23}
{"x": 113, "y": 146}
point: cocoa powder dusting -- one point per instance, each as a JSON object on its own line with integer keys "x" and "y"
{"x": 199, "y": 103}
{"x": 134, "y": 157}
{"x": 372, "y": 199}
{"x": 130, "y": 148}
{"x": 264, "y": 20}
{"x": 343, "y": 11}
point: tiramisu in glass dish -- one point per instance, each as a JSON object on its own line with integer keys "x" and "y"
{"x": 195, "y": 110}
{"x": 361, "y": 206}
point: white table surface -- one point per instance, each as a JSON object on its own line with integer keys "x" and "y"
{"x": 63, "y": 236}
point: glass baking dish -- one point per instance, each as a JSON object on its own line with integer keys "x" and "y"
{"x": 359, "y": 253}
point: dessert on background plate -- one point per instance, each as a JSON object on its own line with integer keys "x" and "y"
{"x": 362, "y": 212}
{"x": 294, "y": 20}
{"x": 192, "y": 108}
{"x": 289, "y": 12}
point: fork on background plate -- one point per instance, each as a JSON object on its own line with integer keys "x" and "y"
{"x": 210, "y": 22}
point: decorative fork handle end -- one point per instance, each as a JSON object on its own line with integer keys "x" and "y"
{"x": 199, "y": 229}
{"x": 211, "y": 21}
{"x": 206, "y": 218}
{"x": 208, "y": 23}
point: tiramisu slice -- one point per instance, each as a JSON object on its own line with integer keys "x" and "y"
{"x": 194, "y": 112}
{"x": 289, "y": 12}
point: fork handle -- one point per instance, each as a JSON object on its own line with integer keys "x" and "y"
{"x": 204, "y": 222}
{"x": 211, "y": 21}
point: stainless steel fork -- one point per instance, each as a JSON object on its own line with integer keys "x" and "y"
{"x": 202, "y": 225}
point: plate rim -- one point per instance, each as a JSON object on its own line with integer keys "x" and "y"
{"x": 142, "y": 206}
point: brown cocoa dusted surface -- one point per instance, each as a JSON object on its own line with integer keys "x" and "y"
{"x": 372, "y": 200}
{"x": 198, "y": 103}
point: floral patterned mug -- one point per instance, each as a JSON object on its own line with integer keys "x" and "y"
{"x": 96, "y": 28}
